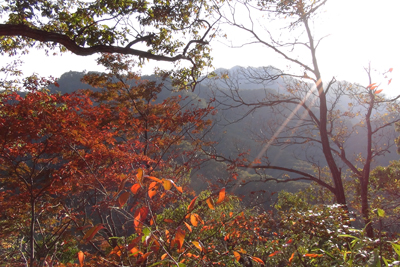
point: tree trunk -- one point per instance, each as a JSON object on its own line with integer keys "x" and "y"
{"x": 365, "y": 208}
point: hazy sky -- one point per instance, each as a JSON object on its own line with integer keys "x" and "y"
{"x": 361, "y": 31}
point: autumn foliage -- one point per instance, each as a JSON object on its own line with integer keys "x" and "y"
{"x": 101, "y": 179}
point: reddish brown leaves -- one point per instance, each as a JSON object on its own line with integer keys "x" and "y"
{"x": 123, "y": 198}
{"x": 92, "y": 232}
{"x": 191, "y": 205}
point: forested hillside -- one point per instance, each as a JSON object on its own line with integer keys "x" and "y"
{"x": 256, "y": 166}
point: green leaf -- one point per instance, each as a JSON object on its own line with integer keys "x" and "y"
{"x": 381, "y": 213}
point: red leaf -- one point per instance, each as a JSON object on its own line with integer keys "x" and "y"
{"x": 391, "y": 69}
{"x": 389, "y": 81}
{"x": 221, "y": 196}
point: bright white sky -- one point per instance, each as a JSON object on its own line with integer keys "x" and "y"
{"x": 361, "y": 31}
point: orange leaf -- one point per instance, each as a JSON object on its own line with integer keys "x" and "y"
{"x": 123, "y": 198}
{"x": 168, "y": 220}
{"x": 369, "y": 86}
{"x": 144, "y": 257}
{"x": 136, "y": 222}
{"x": 313, "y": 255}
{"x": 167, "y": 184}
{"x": 209, "y": 203}
{"x": 153, "y": 178}
{"x": 291, "y": 258}
{"x": 257, "y": 260}
{"x": 179, "y": 188}
{"x": 391, "y": 69}
{"x": 191, "y": 205}
{"x": 378, "y": 91}
{"x": 197, "y": 245}
{"x": 135, "y": 252}
{"x": 188, "y": 226}
{"x": 373, "y": 87}
{"x": 273, "y": 254}
{"x": 221, "y": 196}
{"x": 152, "y": 189}
{"x": 179, "y": 238}
{"x": 389, "y": 81}
{"x": 237, "y": 255}
{"x": 289, "y": 241}
{"x": 193, "y": 219}
{"x": 135, "y": 188}
{"x": 116, "y": 251}
{"x": 81, "y": 258}
{"x": 139, "y": 175}
{"x": 92, "y": 232}
{"x": 164, "y": 256}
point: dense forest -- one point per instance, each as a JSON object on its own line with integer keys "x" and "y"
{"x": 234, "y": 167}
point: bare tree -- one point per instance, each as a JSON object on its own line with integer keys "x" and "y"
{"x": 312, "y": 110}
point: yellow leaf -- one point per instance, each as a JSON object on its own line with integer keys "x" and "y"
{"x": 193, "y": 219}
{"x": 197, "y": 245}
{"x": 167, "y": 184}
{"x": 188, "y": 226}
{"x": 139, "y": 175}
